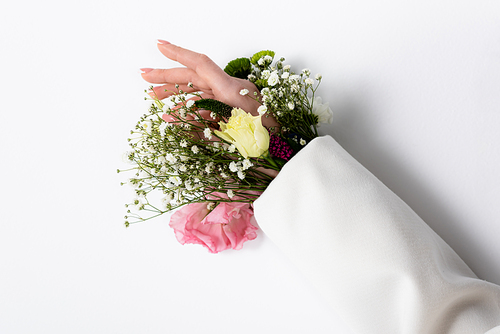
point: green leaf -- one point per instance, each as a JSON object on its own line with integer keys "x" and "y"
{"x": 239, "y": 68}
{"x": 219, "y": 108}
{"x": 255, "y": 58}
{"x": 261, "y": 83}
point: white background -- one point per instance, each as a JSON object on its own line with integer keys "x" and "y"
{"x": 415, "y": 88}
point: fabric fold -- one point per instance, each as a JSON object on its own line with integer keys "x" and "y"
{"x": 375, "y": 261}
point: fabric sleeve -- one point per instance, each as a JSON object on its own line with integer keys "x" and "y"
{"x": 375, "y": 261}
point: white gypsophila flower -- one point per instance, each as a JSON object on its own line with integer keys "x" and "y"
{"x": 251, "y": 77}
{"x": 302, "y": 141}
{"x": 244, "y": 92}
{"x": 216, "y": 144}
{"x": 164, "y": 170}
{"x": 139, "y": 205}
{"x": 322, "y": 110}
{"x": 187, "y": 126}
{"x": 262, "y": 110}
{"x": 171, "y": 158}
{"x": 241, "y": 175}
{"x": 147, "y": 125}
{"x": 162, "y": 128}
{"x": 295, "y": 88}
{"x": 268, "y": 58}
{"x": 167, "y": 199}
{"x": 224, "y": 175}
{"x": 273, "y": 79}
{"x": 213, "y": 115}
{"x": 233, "y": 167}
{"x": 207, "y": 133}
{"x": 133, "y": 183}
{"x": 318, "y": 76}
{"x": 309, "y": 81}
{"x": 306, "y": 71}
{"x": 161, "y": 159}
{"x": 182, "y": 168}
{"x": 231, "y": 148}
{"x": 294, "y": 77}
{"x": 189, "y": 103}
{"x": 261, "y": 61}
{"x": 286, "y": 67}
{"x": 166, "y": 107}
{"x": 246, "y": 164}
{"x": 291, "y": 105}
{"x": 183, "y": 143}
{"x": 210, "y": 205}
{"x": 230, "y": 193}
{"x": 209, "y": 167}
{"x": 168, "y": 102}
{"x": 188, "y": 185}
{"x": 190, "y": 84}
{"x": 265, "y": 74}
{"x": 126, "y": 157}
{"x": 175, "y": 180}
{"x": 285, "y": 75}
{"x": 195, "y": 149}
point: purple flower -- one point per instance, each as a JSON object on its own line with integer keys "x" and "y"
{"x": 279, "y": 148}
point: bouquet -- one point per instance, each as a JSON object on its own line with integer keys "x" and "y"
{"x": 212, "y": 161}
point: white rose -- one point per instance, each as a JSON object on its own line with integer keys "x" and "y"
{"x": 273, "y": 79}
{"x": 322, "y": 110}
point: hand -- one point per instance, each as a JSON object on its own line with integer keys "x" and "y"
{"x": 206, "y": 77}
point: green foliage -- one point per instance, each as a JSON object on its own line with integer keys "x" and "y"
{"x": 255, "y": 58}
{"x": 219, "y": 108}
{"x": 310, "y": 119}
{"x": 239, "y": 68}
{"x": 261, "y": 83}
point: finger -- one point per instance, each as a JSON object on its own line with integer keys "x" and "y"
{"x": 173, "y": 117}
{"x": 164, "y": 91}
{"x": 180, "y": 76}
{"x": 161, "y": 94}
{"x": 207, "y": 114}
{"x": 199, "y": 63}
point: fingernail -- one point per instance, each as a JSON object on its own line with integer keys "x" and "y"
{"x": 145, "y": 70}
{"x": 161, "y": 41}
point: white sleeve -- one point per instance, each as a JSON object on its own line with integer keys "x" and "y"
{"x": 376, "y": 262}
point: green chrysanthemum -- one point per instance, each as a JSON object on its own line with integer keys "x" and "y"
{"x": 255, "y": 58}
{"x": 219, "y": 108}
{"x": 239, "y": 68}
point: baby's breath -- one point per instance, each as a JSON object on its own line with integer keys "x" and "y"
{"x": 285, "y": 95}
{"x": 184, "y": 162}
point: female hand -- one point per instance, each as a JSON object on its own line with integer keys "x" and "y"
{"x": 206, "y": 77}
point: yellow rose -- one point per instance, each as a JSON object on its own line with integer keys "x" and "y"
{"x": 246, "y": 132}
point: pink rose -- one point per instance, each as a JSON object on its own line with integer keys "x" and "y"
{"x": 229, "y": 225}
